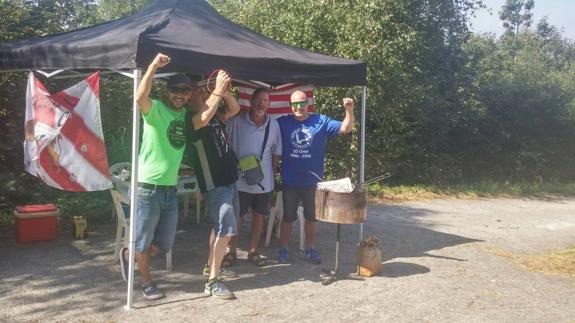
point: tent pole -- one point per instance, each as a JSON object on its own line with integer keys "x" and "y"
{"x": 133, "y": 191}
{"x": 362, "y": 149}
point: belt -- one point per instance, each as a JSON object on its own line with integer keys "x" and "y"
{"x": 156, "y": 187}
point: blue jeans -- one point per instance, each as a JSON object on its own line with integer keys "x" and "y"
{"x": 223, "y": 206}
{"x": 156, "y": 218}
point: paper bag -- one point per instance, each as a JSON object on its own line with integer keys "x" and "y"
{"x": 369, "y": 257}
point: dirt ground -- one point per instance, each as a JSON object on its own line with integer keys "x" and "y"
{"x": 442, "y": 262}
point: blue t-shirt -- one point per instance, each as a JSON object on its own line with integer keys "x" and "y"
{"x": 303, "y": 147}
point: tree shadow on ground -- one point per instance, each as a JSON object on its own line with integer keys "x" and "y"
{"x": 45, "y": 279}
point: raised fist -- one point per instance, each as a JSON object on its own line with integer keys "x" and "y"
{"x": 161, "y": 60}
{"x": 348, "y": 103}
{"x": 223, "y": 82}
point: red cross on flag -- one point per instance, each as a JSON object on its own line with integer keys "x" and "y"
{"x": 64, "y": 143}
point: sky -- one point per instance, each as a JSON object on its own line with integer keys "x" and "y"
{"x": 560, "y": 13}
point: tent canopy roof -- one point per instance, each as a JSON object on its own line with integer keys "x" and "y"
{"x": 194, "y": 35}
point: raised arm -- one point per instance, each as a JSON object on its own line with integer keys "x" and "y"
{"x": 347, "y": 123}
{"x": 202, "y": 118}
{"x": 145, "y": 88}
{"x": 232, "y": 105}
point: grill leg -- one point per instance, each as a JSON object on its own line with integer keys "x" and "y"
{"x": 333, "y": 275}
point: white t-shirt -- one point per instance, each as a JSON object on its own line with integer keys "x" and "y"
{"x": 247, "y": 139}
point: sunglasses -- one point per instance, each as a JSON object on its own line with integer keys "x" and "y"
{"x": 179, "y": 90}
{"x": 300, "y": 104}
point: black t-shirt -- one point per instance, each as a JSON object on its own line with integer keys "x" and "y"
{"x": 211, "y": 154}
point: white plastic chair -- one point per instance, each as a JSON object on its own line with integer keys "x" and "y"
{"x": 188, "y": 185}
{"x": 123, "y": 227}
{"x": 120, "y": 176}
{"x": 120, "y": 173}
{"x": 278, "y": 212}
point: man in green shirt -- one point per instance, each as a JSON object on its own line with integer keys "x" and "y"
{"x": 161, "y": 152}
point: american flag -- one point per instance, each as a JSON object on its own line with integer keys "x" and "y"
{"x": 279, "y": 97}
{"x": 64, "y": 143}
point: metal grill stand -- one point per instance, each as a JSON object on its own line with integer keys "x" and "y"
{"x": 329, "y": 276}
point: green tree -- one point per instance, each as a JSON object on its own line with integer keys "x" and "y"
{"x": 416, "y": 78}
{"x": 525, "y": 128}
{"x": 515, "y": 14}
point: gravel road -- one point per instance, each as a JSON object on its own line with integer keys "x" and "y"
{"x": 443, "y": 261}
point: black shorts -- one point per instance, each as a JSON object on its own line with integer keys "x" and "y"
{"x": 292, "y": 195}
{"x": 259, "y": 203}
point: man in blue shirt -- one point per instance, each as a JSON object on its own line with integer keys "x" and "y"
{"x": 304, "y": 137}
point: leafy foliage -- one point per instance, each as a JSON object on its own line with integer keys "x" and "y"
{"x": 516, "y": 13}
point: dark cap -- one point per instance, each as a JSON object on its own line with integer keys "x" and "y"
{"x": 179, "y": 80}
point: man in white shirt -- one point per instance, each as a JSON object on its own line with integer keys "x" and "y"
{"x": 247, "y": 132}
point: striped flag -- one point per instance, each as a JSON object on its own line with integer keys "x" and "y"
{"x": 279, "y": 97}
{"x": 64, "y": 143}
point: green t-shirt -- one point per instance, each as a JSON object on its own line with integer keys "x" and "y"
{"x": 163, "y": 143}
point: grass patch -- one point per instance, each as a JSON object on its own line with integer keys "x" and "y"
{"x": 560, "y": 262}
{"x": 557, "y": 263}
{"x": 479, "y": 190}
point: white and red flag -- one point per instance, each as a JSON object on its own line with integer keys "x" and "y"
{"x": 64, "y": 143}
{"x": 279, "y": 97}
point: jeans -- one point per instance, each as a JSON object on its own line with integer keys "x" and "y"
{"x": 223, "y": 207}
{"x": 156, "y": 218}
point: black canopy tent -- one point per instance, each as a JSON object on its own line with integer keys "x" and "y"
{"x": 198, "y": 40}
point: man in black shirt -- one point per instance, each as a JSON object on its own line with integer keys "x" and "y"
{"x": 215, "y": 165}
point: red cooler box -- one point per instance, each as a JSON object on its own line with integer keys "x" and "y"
{"x": 36, "y": 222}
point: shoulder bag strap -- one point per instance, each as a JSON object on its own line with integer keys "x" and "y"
{"x": 266, "y": 137}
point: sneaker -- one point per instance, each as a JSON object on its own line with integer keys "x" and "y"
{"x": 216, "y": 287}
{"x": 283, "y": 255}
{"x": 224, "y": 272}
{"x": 124, "y": 264}
{"x": 152, "y": 292}
{"x": 312, "y": 256}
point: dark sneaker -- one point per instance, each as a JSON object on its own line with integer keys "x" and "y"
{"x": 124, "y": 263}
{"x": 152, "y": 292}
{"x": 227, "y": 273}
{"x": 224, "y": 272}
{"x": 283, "y": 255}
{"x": 216, "y": 288}
{"x": 312, "y": 256}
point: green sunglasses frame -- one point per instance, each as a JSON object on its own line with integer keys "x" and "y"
{"x": 299, "y": 104}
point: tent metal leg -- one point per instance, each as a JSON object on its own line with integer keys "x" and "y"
{"x": 362, "y": 149}
{"x": 133, "y": 191}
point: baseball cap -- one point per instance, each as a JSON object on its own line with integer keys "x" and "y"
{"x": 179, "y": 80}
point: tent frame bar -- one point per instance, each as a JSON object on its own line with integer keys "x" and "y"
{"x": 362, "y": 148}
{"x": 49, "y": 75}
{"x": 137, "y": 77}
